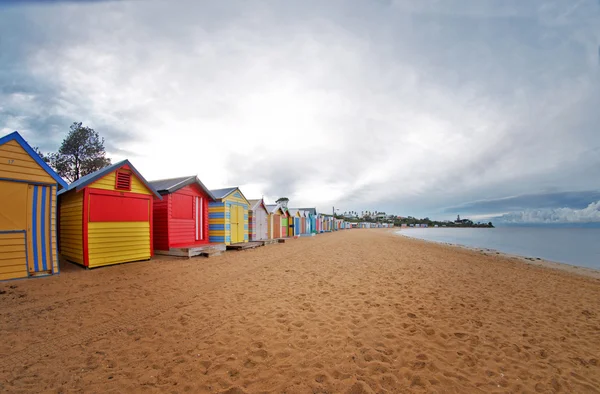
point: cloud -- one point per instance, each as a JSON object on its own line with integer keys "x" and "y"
{"x": 547, "y": 200}
{"x": 402, "y": 106}
{"x": 589, "y": 214}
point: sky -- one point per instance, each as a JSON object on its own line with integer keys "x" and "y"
{"x": 487, "y": 109}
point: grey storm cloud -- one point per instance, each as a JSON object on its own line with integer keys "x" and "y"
{"x": 415, "y": 108}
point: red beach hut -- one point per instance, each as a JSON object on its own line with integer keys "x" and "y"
{"x": 181, "y": 217}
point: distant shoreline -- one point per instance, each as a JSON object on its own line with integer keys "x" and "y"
{"x": 574, "y": 269}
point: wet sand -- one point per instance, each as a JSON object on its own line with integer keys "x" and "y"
{"x": 355, "y": 311}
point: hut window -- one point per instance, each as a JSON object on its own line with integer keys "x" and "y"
{"x": 123, "y": 180}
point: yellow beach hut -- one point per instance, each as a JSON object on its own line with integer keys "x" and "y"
{"x": 106, "y": 217}
{"x": 28, "y": 188}
{"x": 228, "y": 216}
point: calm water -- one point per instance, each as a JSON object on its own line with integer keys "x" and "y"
{"x": 575, "y": 246}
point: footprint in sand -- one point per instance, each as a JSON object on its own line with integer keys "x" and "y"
{"x": 261, "y": 353}
{"x": 461, "y": 335}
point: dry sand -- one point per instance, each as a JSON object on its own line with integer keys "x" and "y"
{"x": 355, "y": 311}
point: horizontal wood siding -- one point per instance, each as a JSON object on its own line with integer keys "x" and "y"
{"x": 118, "y": 242}
{"x": 218, "y": 223}
{"x": 161, "y": 222}
{"x": 13, "y": 256}
{"x": 107, "y": 182}
{"x": 182, "y": 232}
{"x": 71, "y": 226}
{"x": 15, "y": 163}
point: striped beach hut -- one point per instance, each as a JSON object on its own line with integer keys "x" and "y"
{"x": 106, "y": 217}
{"x": 181, "y": 217}
{"x": 258, "y": 220}
{"x": 28, "y": 188}
{"x": 228, "y": 216}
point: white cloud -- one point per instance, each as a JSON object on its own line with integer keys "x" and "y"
{"x": 589, "y": 214}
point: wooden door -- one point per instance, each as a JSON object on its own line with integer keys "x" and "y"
{"x": 13, "y": 229}
{"x": 241, "y": 224}
{"x": 233, "y": 220}
{"x": 276, "y": 226}
{"x": 39, "y": 247}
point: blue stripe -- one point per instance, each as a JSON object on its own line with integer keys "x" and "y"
{"x": 215, "y": 204}
{"x": 216, "y": 239}
{"x": 217, "y": 215}
{"x": 43, "y": 229}
{"x": 218, "y": 227}
{"x": 36, "y": 267}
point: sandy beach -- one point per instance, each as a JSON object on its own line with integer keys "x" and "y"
{"x": 357, "y": 311}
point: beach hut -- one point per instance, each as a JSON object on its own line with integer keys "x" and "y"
{"x": 28, "y": 188}
{"x": 295, "y": 223}
{"x": 106, "y": 217}
{"x": 276, "y": 215}
{"x": 181, "y": 216}
{"x": 302, "y": 222}
{"x": 228, "y": 216}
{"x": 258, "y": 221}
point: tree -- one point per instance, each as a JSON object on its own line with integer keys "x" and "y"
{"x": 37, "y": 150}
{"x": 81, "y": 152}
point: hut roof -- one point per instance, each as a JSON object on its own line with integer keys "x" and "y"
{"x": 222, "y": 193}
{"x": 171, "y": 185}
{"x": 255, "y": 203}
{"x": 94, "y": 176}
{"x": 15, "y": 136}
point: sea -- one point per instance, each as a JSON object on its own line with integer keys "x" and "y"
{"x": 573, "y": 246}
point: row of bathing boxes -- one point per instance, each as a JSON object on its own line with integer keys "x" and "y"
{"x": 115, "y": 216}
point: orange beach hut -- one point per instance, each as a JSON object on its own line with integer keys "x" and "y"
{"x": 106, "y": 217}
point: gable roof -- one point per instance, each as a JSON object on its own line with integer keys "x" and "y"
{"x": 222, "y": 193}
{"x": 254, "y": 204}
{"x": 171, "y": 185}
{"x": 293, "y": 212}
{"x": 15, "y": 136}
{"x": 94, "y": 176}
{"x": 271, "y": 208}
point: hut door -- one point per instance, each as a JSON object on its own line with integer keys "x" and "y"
{"x": 39, "y": 247}
{"x": 13, "y": 226}
{"x": 276, "y": 226}
{"x": 241, "y": 230}
{"x": 233, "y": 220}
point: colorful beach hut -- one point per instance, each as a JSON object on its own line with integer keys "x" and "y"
{"x": 274, "y": 221}
{"x": 228, "y": 216}
{"x": 295, "y": 223}
{"x": 106, "y": 217}
{"x": 28, "y": 188}
{"x": 258, "y": 221}
{"x": 180, "y": 217}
